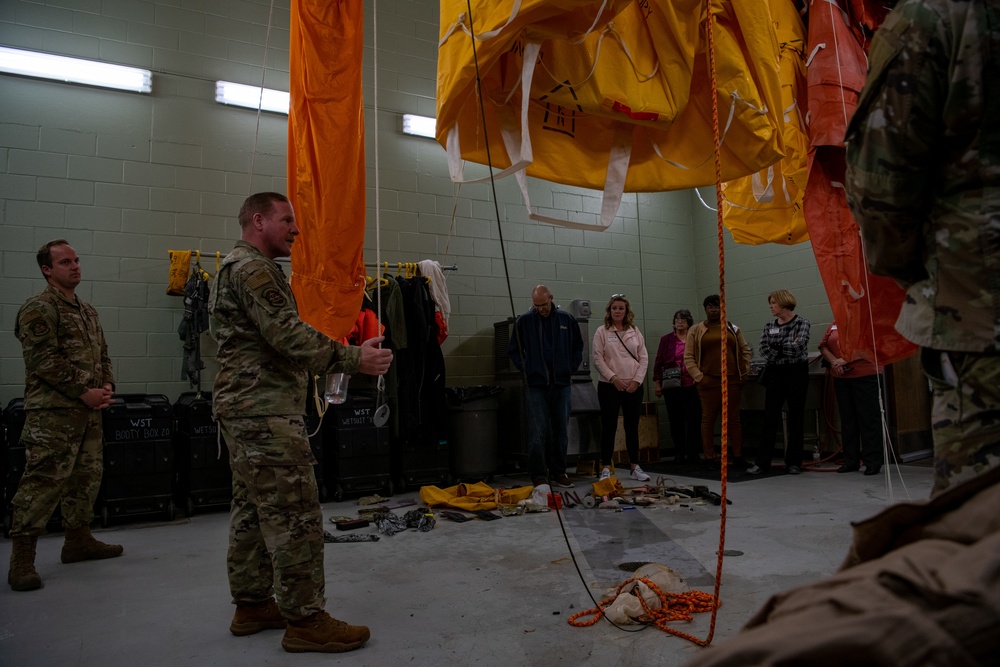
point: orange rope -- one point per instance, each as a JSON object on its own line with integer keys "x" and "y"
{"x": 673, "y": 607}
{"x": 680, "y": 606}
{"x": 717, "y": 152}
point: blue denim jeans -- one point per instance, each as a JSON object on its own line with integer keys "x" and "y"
{"x": 547, "y": 417}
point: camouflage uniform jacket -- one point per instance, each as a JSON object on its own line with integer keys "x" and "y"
{"x": 923, "y": 169}
{"x": 266, "y": 353}
{"x": 64, "y": 350}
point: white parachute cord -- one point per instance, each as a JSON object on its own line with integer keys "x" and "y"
{"x": 263, "y": 73}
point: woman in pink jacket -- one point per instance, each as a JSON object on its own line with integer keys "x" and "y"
{"x": 620, "y": 357}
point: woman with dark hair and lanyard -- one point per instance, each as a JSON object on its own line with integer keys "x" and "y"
{"x": 621, "y": 359}
{"x": 784, "y": 344}
{"x": 679, "y": 392}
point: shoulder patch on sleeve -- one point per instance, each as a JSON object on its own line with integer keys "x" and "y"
{"x": 38, "y": 327}
{"x": 258, "y": 280}
{"x": 274, "y": 297}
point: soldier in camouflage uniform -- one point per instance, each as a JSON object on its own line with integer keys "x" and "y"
{"x": 266, "y": 357}
{"x": 68, "y": 381}
{"x": 923, "y": 181}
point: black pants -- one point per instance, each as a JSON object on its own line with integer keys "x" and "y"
{"x": 789, "y": 384}
{"x": 612, "y": 401}
{"x": 684, "y": 414}
{"x": 860, "y": 419}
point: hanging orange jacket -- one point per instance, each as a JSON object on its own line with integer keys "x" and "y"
{"x": 366, "y": 326}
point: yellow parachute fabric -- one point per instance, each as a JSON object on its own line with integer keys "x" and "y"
{"x": 612, "y": 95}
{"x": 478, "y": 496}
{"x": 766, "y": 207}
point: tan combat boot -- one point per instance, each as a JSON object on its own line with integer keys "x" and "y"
{"x": 80, "y": 545}
{"x": 250, "y": 619}
{"x": 323, "y": 633}
{"x": 22, "y": 575}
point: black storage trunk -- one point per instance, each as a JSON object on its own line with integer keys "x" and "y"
{"x": 203, "y": 479}
{"x": 138, "y": 458}
{"x": 419, "y": 461}
{"x": 356, "y": 457}
{"x": 14, "y": 457}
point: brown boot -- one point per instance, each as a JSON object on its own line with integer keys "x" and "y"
{"x": 250, "y": 619}
{"x": 22, "y": 575}
{"x": 80, "y": 545}
{"x": 323, "y": 633}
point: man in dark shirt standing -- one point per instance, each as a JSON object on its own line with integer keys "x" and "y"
{"x": 547, "y": 347}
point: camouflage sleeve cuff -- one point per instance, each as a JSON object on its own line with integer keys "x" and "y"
{"x": 348, "y": 358}
{"x": 75, "y": 391}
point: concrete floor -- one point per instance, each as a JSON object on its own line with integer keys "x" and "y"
{"x": 477, "y": 593}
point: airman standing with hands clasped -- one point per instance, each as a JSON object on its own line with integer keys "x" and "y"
{"x": 68, "y": 381}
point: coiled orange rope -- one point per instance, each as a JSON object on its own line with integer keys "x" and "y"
{"x": 673, "y": 607}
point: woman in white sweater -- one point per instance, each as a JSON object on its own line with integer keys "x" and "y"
{"x": 620, "y": 356}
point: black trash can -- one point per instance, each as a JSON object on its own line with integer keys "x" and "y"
{"x": 474, "y": 431}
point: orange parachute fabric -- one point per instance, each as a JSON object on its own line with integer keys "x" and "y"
{"x": 614, "y": 95}
{"x": 766, "y": 207}
{"x": 326, "y": 161}
{"x": 861, "y": 302}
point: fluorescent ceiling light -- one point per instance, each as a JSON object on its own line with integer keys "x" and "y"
{"x": 252, "y": 97}
{"x": 419, "y": 126}
{"x": 75, "y": 70}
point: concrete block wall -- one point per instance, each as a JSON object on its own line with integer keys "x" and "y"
{"x": 125, "y": 177}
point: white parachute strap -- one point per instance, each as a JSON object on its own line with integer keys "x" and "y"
{"x": 263, "y": 72}
{"x": 609, "y": 30}
{"x": 734, "y": 99}
{"x": 378, "y": 189}
{"x": 460, "y": 23}
{"x": 378, "y": 209}
{"x": 887, "y": 449}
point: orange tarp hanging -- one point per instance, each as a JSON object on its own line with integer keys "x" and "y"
{"x": 862, "y": 303}
{"x": 613, "y": 96}
{"x": 326, "y": 161}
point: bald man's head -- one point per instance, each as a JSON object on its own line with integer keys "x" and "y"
{"x": 541, "y": 299}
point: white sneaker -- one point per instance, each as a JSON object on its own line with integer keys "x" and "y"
{"x": 639, "y": 475}
{"x": 605, "y": 474}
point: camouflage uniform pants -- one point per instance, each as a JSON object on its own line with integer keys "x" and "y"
{"x": 965, "y": 416}
{"x": 64, "y": 463}
{"x": 276, "y": 524}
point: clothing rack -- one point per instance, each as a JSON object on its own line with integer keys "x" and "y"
{"x": 398, "y": 265}
{"x": 372, "y": 265}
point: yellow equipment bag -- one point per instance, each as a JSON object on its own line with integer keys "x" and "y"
{"x": 609, "y": 95}
{"x": 478, "y": 496}
{"x": 766, "y": 207}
